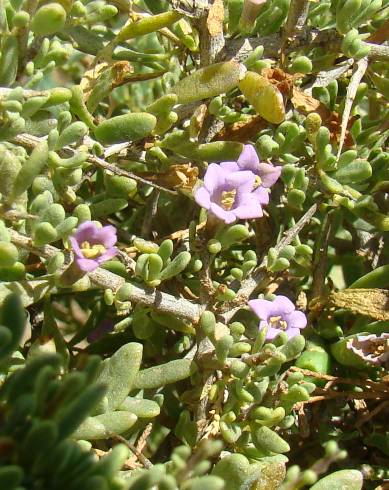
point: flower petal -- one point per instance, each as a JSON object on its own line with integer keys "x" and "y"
{"x": 202, "y": 197}
{"x": 107, "y": 236}
{"x": 292, "y": 332}
{"x": 261, "y": 307}
{"x": 296, "y": 319}
{"x": 214, "y": 177}
{"x": 250, "y": 210}
{"x": 86, "y": 232}
{"x": 75, "y": 247}
{"x": 227, "y": 216}
{"x": 268, "y": 173}
{"x": 242, "y": 181}
{"x": 110, "y": 252}
{"x": 282, "y": 305}
{"x": 230, "y": 166}
{"x": 272, "y": 333}
{"x": 87, "y": 265}
{"x": 248, "y": 159}
{"x": 262, "y": 194}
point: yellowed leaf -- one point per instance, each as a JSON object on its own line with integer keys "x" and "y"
{"x": 265, "y": 97}
{"x": 215, "y": 18}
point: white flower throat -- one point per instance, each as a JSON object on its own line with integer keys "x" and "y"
{"x": 92, "y": 251}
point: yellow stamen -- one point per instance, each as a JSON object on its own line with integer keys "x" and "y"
{"x": 228, "y": 199}
{"x": 276, "y": 322}
{"x": 91, "y": 252}
{"x": 258, "y": 182}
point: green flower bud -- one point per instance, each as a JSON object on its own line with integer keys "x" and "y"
{"x": 296, "y": 198}
{"x": 155, "y": 264}
{"x": 293, "y": 347}
{"x": 31, "y": 168}
{"x": 128, "y": 127}
{"x": 301, "y": 64}
{"x": 223, "y": 293}
{"x": 266, "y": 146}
{"x": 9, "y": 59}
{"x": 44, "y": 233}
{"x": 82, "y": 212}
{"x": 8, "y": 254}
{"x": 72, "y": 134}
{"x": 214, "y": 246}
{"x": 239, "y": 348}
{"x": 239, "y": 369}
{"x": 124, "y": 292}
{"x": 54, "y": 214}
{"x": 232, "y": 234}
{"x": 48, "y": 19}
{"x": 208, "y": 323}
{"x": 55, "y": 263}
{"x": 222, "y": 347}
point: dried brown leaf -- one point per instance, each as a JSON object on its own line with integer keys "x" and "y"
{"x": 242, "y": 131}
{"x": 369, "y": 302}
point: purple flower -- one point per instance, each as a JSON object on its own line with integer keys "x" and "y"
{"x": 279, "y": 316}
{"x": 267, "y": 174}
{"x": 230, "y": 193}
{"x": 237, "y": 190}
{"x": 371, "y": 348}
{"x": 93, "y": 245}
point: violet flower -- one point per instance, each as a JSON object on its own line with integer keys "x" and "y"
{"x": 93, "y": 245}
{"x": 279, "y": 316}
{"x": 267, "y": 174}
{"x": 230, "y": 193}
{"x": 371, "y": 348}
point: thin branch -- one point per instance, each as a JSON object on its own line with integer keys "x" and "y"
{"x": 320, "y": 258}
{"x": 141, "y": 457}
{"x": 107, "y": 280}
{"x": 240, "y": 48}
{"x": 359, "y": 71}
{"x": 297, "y": 16}
{"x": 28, "y": 141}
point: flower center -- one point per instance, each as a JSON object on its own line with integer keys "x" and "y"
{"x": 258, "y": 182}
{"x": 228, "y": 199}
{"x": 278, "y": 322}
{"x": 378, "y": 348}
{"x": 92, "y": 251}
